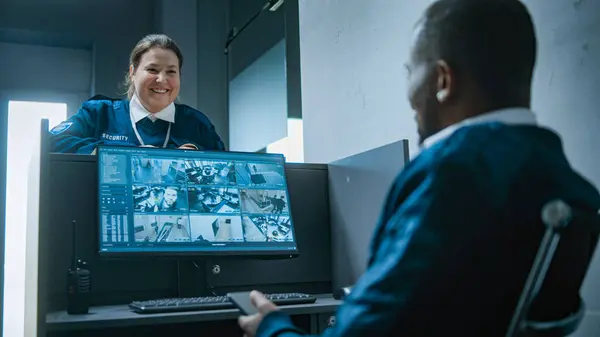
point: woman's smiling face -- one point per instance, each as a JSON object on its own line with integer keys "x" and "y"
{"x": 156, "y": 79}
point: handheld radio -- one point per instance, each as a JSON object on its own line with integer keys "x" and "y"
{"x": 78, "y": 283}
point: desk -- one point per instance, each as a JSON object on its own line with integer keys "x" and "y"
{"x": 113, "y": 318}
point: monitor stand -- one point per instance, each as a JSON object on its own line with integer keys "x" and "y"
{"x": 190, "y": 278}
{"x": 197, "y": 277}
{"x": 194, "y": 277}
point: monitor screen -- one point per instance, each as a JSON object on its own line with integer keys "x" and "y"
{"x": 181, "y": 202}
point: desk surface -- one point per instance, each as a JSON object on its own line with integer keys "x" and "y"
{"x": 122, "y": 316}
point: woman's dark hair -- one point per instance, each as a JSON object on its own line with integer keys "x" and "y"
{"x": 143, "y": 46}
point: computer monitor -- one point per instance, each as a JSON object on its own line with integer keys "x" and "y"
{"x": 155, "y": 201}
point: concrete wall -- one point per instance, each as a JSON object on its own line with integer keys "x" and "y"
{"x": 353, "y": 80}
{"x": 565, "y": 99}
{"x": 353, "y": 84}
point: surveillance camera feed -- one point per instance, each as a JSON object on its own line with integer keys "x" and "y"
{"x": 160, "y": 201}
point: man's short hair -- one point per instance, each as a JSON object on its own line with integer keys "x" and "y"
{"x": 491, "y": 41}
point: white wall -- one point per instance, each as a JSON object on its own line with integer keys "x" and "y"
{"x": 565, "y": 98}
{"x": 567, "y": 79}
{"x": 353, "y": 85}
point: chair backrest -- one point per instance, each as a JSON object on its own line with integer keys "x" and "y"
{"x": 568, "y": 244}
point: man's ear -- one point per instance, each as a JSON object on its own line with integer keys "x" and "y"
{"x": 131, "y": 71}
{"x": 445, "y": 84}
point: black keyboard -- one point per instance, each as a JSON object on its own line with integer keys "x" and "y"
{"x": 211, "y": 303}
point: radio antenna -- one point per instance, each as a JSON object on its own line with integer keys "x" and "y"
{"x": 74, "y": 233}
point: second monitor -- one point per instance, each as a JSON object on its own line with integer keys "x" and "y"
{"x": 178, "y": 202}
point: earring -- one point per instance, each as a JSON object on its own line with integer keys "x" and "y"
{"x": 441, "y": 95}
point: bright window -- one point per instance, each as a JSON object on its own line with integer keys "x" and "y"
{"x": 23, "y": 119}
{"x": 292, "y": 146}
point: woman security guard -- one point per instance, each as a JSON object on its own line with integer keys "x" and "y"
{"x": 149, "y": 118}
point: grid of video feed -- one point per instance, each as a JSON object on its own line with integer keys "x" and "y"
{"x": 264, "y": 204}
{"x": 209, "y": 201}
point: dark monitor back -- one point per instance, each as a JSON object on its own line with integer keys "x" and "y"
{"x": 73, "y": 189}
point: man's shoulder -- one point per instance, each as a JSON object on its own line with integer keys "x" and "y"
{"x": 492, "y": 152}
{"x": 437, "y": 169}
{"x": 494, "y": 136}
{"x": 504, "y": 159}
{"x": 494, "y": 144}
{"x": 452, "y": 153}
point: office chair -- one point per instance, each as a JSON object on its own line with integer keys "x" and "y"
{"x": 561, "y": 221}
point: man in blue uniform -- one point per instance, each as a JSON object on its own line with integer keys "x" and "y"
{"x": 461, "y": 224}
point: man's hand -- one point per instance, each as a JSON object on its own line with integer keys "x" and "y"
{"x": 250, "y": 323}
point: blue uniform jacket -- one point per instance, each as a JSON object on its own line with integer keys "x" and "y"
{"x": 457, "y": 237}
{"x": 102, "y": 120}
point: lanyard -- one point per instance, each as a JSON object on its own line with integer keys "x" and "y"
{"x": 137, "y": 134}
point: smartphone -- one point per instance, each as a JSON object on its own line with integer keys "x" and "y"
{"x": 242, "y": 301}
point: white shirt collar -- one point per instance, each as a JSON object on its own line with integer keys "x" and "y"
{"x": 137, "y": 110}
{"x": 512, "y": 116}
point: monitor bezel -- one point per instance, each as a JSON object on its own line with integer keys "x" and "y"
{"x": 265, "y": 254}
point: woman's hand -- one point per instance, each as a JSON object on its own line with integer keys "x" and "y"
{"x": 188, "y": 146}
